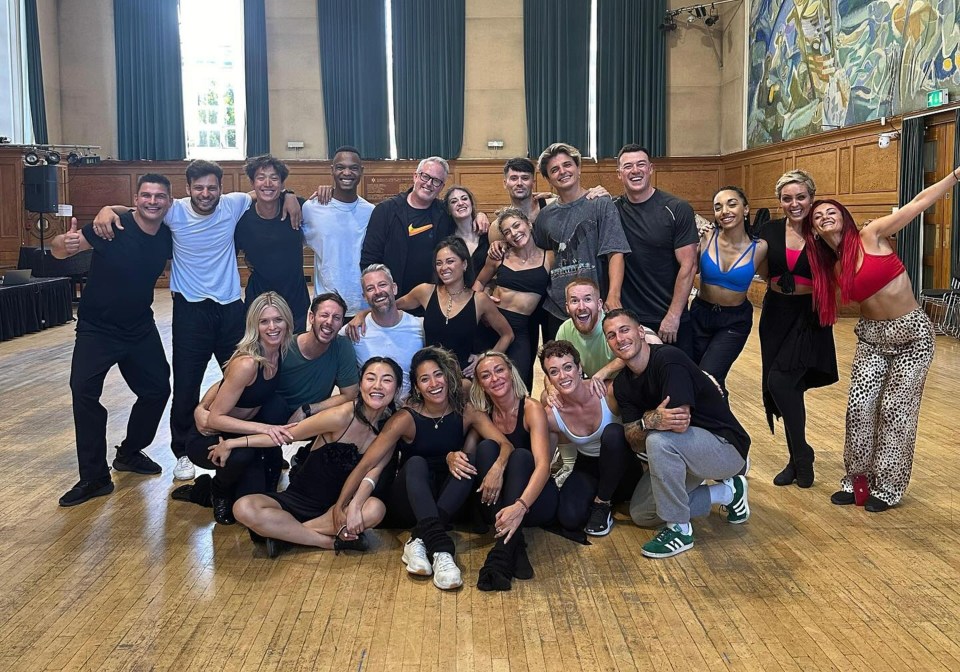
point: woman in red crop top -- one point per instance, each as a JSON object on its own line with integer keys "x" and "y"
{"x": 796, "y": 352}
{"x": 895, "y": 340}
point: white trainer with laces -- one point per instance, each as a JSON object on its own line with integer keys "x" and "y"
{"x": 184, "y": 471}
{"x": 446, "y": 574}
{"x": 415, "y": 558}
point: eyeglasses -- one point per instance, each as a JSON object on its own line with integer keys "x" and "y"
{"x": 430, "y": 179}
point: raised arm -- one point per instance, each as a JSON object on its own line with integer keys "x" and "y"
{"x": 888, "y": 225}
{"x": 109, "y": 218}
{"x": 69, "y": 243}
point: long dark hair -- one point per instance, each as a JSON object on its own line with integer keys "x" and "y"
{"x": 452, "y": 375}
{"x": 359, "y": 406}
{"x": 456, "y": 245}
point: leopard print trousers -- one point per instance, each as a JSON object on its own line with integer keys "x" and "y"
{"x": 889, "y": 369}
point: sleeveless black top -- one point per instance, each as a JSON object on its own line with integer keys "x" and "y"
{"x": 775, "y": 233}
{"x": 457, "y": 334}
{"x": 520, "y": 437}
{"x": 435, "y": 438}
{"x": 532, "y": 280}
{"x": 256, "y": 393}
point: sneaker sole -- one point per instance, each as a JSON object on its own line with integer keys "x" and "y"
{"x": 668, "y": 554}
{"x": 105, "y": 490}
{"x": 453, "y": 587}
{"x": 746, "y": 516}
{"x": 120, "y": 466}
{"x": 601, "y": 533}
{"x": 425, "y": 571}
{"x": 184, "y": 477}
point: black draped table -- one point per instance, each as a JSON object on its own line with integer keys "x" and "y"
{"x": 39, "y": 304}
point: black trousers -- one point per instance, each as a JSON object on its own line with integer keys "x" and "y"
{"x": 517, "y": 475}
{"x": 200, "y": 329}
{"x": 719, "y": 334}
{"x": 612, "y": 477}
{"x": 143, "y": 366}
{"x": 248, "y": 471}
{"x": 520, "y": 351}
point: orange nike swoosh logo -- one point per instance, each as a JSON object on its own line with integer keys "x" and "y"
{"x": 414, "y": 230}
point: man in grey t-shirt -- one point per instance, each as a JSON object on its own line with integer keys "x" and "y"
{"x": 585, "y": 235}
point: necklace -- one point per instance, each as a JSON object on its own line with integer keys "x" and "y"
{"x": 450, "y": 297}
{"x": 439, "y": 421}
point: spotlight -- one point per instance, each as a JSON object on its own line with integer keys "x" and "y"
{"x": 711, "y": 20}
{"x": 691, "y": 18}
{"x": 53, "y": 157}
{"x": 668, "y": 24}
{"x": 73, "y": 159}
{"x": 31, "y": 158}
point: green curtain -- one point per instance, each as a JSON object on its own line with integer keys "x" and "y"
{"x": 556, "y": 45}
{"x": 428, "y": 76}
{"x": 149, "y": 82}
{"x": 955, "y": 225}
{"x": 631, "y": 76}
{"x": 255, "y": 77}
{"x": 353, "y": 62}
{"x": 38, "y": 107}
{"x": 911, "y": 184}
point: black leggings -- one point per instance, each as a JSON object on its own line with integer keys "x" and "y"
{"x": 611, "y": 477}
{"x": 520, "y": 350}
{"x": 247, "y": 470}
{"x": 516, "y": 476}
{"x": 787, "y": 392}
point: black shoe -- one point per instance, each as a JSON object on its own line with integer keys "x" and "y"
{"x": 600, "y": 521}
{"x": 522, "y": 569}
{"x": 875, "y": 505}
{"x": 136, "y": 462}
{"x": 85, "y": 490}
{"x": 223, "y": 511}
{"x": 275, "y": 547}
{"x": 360, "y": 544}
{"x": 787, "y": 476}
{"x": 284, "y": 464}
{"x": 256, "y": 538}
{"x": 804, "y": 474}
{"x": 496, "y": 573}
{"x": 842, "y": 498}
{"x": 184, "y": 493}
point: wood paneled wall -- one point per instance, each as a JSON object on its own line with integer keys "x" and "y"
{"x": 846, "y": 163}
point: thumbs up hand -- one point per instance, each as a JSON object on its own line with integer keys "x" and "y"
{"x": 72, "y": 238}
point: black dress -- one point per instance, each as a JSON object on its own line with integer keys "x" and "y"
{"x": 455, "y": 334}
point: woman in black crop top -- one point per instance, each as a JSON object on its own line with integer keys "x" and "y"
{"x": 244, "y": 402}
{"x": 522, "y": 279}
{"x": 529, "y": 496}
{"x": 452, "y": 311}
{"x": 429, "y": 488}
{"x": 301, "y": 513}
{"x": 796, "y": 353}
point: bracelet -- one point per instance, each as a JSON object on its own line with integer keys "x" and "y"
{"x": 307, "y": 411}
{"x": 526, "y": 509}
{"x": 373, "y": 483}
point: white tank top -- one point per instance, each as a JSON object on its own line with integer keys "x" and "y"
{"x": 588, "y": 445}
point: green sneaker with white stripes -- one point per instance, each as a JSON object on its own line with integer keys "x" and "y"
{"x": 738, "y": 510}
{"x": 670, "y": 541}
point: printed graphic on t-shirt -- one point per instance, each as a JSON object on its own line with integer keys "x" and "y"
{"x": 568, "y": 262}
{"x": 417, "y": 230}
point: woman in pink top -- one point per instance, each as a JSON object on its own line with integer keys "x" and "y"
{"x": 895, "y": 340}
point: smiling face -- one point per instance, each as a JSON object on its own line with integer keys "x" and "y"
{"x": 431, "y": 383}
{"x": 795, "y": 200}
{"x": 729, "y": 209}
{"x": 272, "y": 329}
{"x": 428, "y": 182}
{"x": 495, "y": 378}
{"x": 379, "y": 292}
{"x": 563, "y": 173}
{"x": 459, "y": 205}
{"x": 325, "y": 322}
{"x": 204, "y": 194}
{"x": 267, "y": 184}
{"x": 563, "y": 373}
{"x": 152, "y": 202}
{"x": 450, "y": 267}
{"x": 583, "y": 307}
{"x": 624, "y": 337}
{"x": 518, "y": 185}
{"x": 347, "y": 171}
{"x": 378, "y": 386}
{"x": 827, "y": 222}
{"x": 635, "y": 170}
{"x": 516, "y": 231}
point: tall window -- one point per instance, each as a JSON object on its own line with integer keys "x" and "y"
{"x": 214, "y": 104}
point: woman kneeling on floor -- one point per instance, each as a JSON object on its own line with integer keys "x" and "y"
{"x": 301, "y": 513}
{"x": 426, "y": 493}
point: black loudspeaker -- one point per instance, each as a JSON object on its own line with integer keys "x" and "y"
{"x": 40, "y": 188}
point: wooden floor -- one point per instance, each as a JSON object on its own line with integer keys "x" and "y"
{"x": 137, "y": 581}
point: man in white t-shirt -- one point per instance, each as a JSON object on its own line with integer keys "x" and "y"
{"x": 208, "y": 313}
{"x": 387, "y": 331}
{"x": 335, "y": 231}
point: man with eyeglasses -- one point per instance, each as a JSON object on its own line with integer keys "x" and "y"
{"x": 404, "y": 229}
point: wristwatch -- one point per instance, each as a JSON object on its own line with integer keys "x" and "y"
{"x": 306, "y": 410}
{"x": 643, "y": 425}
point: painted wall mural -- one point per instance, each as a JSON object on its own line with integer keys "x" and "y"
{"x": 821, "y": 64}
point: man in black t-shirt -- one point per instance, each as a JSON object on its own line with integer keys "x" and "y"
{"x": 675, "y": 415}
{"x": 663, "y": 238}
{"x": 115, "y": 325}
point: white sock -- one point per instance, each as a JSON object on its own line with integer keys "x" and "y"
{"x": 568, "y": 454}
{"x": 721, "y": 493}
{"x": 685, "y": 528}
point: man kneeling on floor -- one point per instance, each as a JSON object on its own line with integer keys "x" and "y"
{"x": 675, "y": 414}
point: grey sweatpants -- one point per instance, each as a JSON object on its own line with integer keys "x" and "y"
{"x": 672, "y": 490}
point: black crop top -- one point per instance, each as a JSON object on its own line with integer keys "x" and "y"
{"x": 256, "y": 393}
{"x": 775, "y": 233}
{"x": 456, "y": 335}
{"x": 532, "y": 280}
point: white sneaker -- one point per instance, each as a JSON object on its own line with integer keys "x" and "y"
{"x": 562, "y": 475}
{"x": 446, "y": 574}
{"x": 415, "y": 558}
{"x": 184, "y": 471}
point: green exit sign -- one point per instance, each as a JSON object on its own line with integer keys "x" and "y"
{"x": 937, "y": 98}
